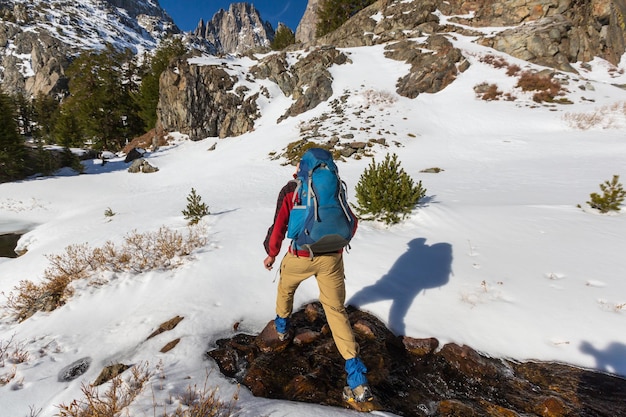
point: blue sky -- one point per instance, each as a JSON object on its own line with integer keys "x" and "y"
{"x": 187, "y": 13}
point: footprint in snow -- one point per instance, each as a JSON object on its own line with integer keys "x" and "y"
{"x": 554, "y": 276}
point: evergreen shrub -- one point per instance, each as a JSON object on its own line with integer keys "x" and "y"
{"x": 385, "y": 192}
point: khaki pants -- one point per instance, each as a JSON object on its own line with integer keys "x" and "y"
{"x": 328, "y": 270}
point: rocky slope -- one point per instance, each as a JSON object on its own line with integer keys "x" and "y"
{"x": 38, "y": 40}
{"x": 550, "y": 33}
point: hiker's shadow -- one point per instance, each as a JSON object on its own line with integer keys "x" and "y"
{"x": 611, "y": 359}
{"x": 421, "y": 267}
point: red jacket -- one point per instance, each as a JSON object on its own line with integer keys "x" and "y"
{"x": 278, "y": 230}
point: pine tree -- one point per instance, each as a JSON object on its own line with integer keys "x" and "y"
{"x": 12, "y": 148}
{"x": 101, "y": 88}
{"x": 67, "y": 131}
{"x": 147, "y": 98}
{"x": 386, "y": 192}
{"x": 331, "y": 14}
{"x": 283, "y": 38}
{"x": 24, "y": 113}
{"x": 45, "y": 113}
{"x": 612, "y": 197}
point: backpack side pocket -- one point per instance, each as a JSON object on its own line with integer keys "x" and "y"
{"x": 296, "y": 221}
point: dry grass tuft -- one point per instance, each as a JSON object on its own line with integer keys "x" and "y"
{"x": 378, "y": 98}
{"x": 546, "y": 88}
{"x": 140, "y": 252}
{"x": 488, "y": 92}
{"x": 120, "y": 394}
{"x": 5, "y": 378}
{"x": 204, "y": 402}
{"x": 14, "y": 353}
{"x": 605, "y": 117}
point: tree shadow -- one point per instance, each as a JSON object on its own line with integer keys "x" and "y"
{"x": 612, "y": 359}
{"x": 421, "y": 267}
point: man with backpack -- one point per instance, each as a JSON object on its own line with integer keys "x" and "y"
{"x": 312, "y": 210}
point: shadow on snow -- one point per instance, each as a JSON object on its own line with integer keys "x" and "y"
{"x": 420, "y": 268}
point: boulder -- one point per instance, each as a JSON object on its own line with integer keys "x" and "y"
{"x": 134, "y": 153}
{"x": 435, "y": 64}
{"x": 141, "y": 165}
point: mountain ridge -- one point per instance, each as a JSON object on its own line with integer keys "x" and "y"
{"x": 39, "y": 41}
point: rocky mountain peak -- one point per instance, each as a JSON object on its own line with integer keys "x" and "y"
{"x": 237, "y": 30}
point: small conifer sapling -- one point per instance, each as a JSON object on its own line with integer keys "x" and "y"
{"x": 196, "y": 208}
{"x": 612, "y": 197}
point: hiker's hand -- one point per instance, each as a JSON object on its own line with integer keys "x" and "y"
{"x": 268, "y": 262}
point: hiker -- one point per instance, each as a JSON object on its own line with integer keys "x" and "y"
{"x": 300, "y": 263}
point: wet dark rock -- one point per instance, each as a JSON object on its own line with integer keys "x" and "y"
{"x": 75, "y": 369}
{"x": 133, "y": 154}
{"x": 412, "y": 377}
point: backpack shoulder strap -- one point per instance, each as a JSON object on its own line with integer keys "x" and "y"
{"x": 296, "y": 193}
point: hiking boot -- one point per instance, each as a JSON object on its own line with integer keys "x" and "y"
{"x": 360, "y": 394}
{"x": 283, "y": 336}
{"x": 282, "y": 328}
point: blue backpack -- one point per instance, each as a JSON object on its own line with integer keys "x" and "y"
{"x": 320, "y": 221}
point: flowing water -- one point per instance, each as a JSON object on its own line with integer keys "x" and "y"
{"x": 8, "y": 242}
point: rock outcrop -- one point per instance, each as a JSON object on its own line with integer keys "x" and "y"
{"x": 306, "y": 30}
{"x": 431, "y": 71}
{"x": 47, "y": 60}
{"x": 238, "y": 30}
{"x": 412, "y": 377}
{"x": 553, "y": 33}
{"x": 308, "y": 81}
{"x": 202, "y": 101}
{"x": 380, "y": 23}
